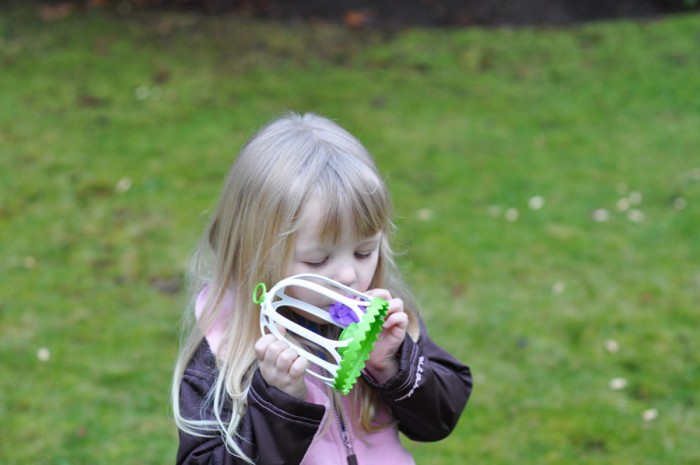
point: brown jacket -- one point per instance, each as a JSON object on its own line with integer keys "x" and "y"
{"x": 426, "y": 397}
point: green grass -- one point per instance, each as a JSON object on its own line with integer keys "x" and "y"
{"x": 116, "y": 133}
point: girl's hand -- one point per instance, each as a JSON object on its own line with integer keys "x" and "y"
{"x": 382, "y": 363}
{"x": 281, "y": 366}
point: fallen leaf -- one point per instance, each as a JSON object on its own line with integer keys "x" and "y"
{"x": 458, "y": 290}
{"x": 357, "y": 18}
{"x": 88, "y": 101}
{"x": 161, "y": 77}
{"x": 167, "y": 285}
{"x": 55, "y": 12}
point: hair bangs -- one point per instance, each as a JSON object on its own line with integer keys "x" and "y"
{"x": 355, "y": 201}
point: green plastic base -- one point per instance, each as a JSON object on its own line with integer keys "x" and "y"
{"x": 364, "y": 334}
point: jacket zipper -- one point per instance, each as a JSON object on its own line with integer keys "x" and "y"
{"x": 344, "y": 435}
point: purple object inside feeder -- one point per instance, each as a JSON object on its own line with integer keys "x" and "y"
{"x": 343, "y": 314}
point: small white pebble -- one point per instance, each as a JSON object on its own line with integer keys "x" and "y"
{"x": 142, "y": 92}
{"x": 635, "y": 216}
{"x": 694, "y": 174}
{"x": 650, "y": 414}
{"x": 679, "y": 203}
{"x": 494, "y": 211}
{"x": 536, "y": 202}
{"x": 623, "y": 204}
{"x": 612, "y": 346}
{"x": 617, "y": 384}
{"x": 512, "y": 214}
{"x": 635, "y": 198}
{"x": 156, "y": 93}
{"x": 30, "y": 262}
{"x": 43, "y": 354}
{"x": 123, "y": 185}
{"x": 601, "y": 215}
{"x": 558, "y": 288}
{"x": 424, "y": 214}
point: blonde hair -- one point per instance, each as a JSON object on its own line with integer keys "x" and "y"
{"x": 250, "y": 239}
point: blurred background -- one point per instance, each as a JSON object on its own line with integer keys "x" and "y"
{"x": 543, "y": 157}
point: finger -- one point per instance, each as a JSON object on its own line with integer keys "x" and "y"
{"x": 262, "y": 344}
{"x": 399, "y": 319}
{"x": 298, "y": 367}
{"x": 395, "y": 305}
{"x": 274, "y": 350}
{"x": 285, "y": 359}
{"x": 281, "y": 329}
{"x": 381, "y": 293}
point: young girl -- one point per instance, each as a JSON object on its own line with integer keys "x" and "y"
{"x": 304, "y": 196}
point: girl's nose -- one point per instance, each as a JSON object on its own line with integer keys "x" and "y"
{"x": 346, "y": 274}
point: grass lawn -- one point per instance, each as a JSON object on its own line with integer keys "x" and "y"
{"x": 547, "y": 191}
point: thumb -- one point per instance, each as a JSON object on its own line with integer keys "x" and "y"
{"x": 282, "y": 330}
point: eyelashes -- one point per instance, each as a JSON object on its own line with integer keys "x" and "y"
{"x": 316, "y": 265}
{"x": 320, "y": 263}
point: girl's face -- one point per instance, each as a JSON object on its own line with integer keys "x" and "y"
{"x": 351, "y": 261}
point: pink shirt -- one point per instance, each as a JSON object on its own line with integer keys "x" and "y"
{"x": 381, "y": 448}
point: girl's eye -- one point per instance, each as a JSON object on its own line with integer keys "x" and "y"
{"x": 362, "y": 256}
{"x": 317, "y": 264}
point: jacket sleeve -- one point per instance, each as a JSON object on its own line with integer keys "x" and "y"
{"x": 429, "y": 393}
{"x": 275, "y": 429}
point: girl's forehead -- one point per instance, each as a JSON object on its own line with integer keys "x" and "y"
{"x": 313, "y": 224}
{"x": 313, "y": 229}
{"x": 307, "y": 241}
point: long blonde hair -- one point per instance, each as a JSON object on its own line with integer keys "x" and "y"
{"x": 250, "y": 239}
